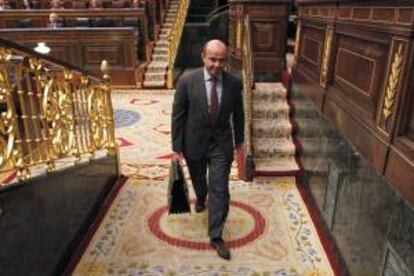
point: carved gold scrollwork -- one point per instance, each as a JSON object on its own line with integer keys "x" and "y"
{"x": 49, "y": 113}
{"x": 326, "y": 57}
{"x": 96, "y": 111}
{"x": 10, "y": 142}
{"x": 239, "y": 35}
{"x": 57, "y": 109}
{"x": 393, "y": 80}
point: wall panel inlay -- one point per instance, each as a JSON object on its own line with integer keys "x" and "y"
{"x": 362, "y": 79}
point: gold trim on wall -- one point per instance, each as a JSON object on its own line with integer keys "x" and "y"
{"x": 394, "y": 78}
{"x": 297, "y": 42}
{"x": 239, "y": 35}
{"x": 326, "y": 57}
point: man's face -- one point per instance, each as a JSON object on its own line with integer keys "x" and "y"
{"x": 214, "y": 58}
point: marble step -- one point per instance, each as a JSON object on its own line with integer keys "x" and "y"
{"x": 271, "y": 128}
{"x": 321, "y": 146}
{"x": 304, "y": 109}
{"x": 295, "y": 93}
{"x": 313, "y": 127}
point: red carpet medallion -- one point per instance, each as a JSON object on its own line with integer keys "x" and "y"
{"x": 269, "y": 229}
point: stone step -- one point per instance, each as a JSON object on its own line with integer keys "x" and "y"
{"x": 303, "y": 109}
{"x": 320, "y": 146}
{"x": 313, "y": 127}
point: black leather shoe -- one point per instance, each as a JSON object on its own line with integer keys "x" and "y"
{"x": 221, "y": 248}
{"x": 200, "y": 206}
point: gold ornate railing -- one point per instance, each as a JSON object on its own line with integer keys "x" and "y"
{"x": 50, "y": 112}
{"x": 248, "y": 85}
{"x": 174, "y": 40}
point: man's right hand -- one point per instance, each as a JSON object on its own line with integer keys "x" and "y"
{"x": 177, "y": 156}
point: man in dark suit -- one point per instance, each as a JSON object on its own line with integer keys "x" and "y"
{"x": 207, "y": 112}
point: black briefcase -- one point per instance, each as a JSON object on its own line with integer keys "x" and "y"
{"x": 178, "y": 198}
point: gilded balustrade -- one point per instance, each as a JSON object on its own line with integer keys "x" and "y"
{"x": 174, "y": 40}
{"x": 49, "y": 112}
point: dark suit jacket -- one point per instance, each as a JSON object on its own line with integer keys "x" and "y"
{"x": 191, "y": 126}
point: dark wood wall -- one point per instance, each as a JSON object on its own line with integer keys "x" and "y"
{"x": 268, "y": 24}
{"x": 86, "y": 48}
{"x": 355, "y": 60}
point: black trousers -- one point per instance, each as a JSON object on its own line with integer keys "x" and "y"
{"x": 218, "y": 166}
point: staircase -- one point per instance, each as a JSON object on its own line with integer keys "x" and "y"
{"x": 273, "y": 145}
{"x": 156, "y": 72}
{"x": 320, "y": 143}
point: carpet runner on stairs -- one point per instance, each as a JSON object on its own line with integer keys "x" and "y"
{"x": 156, "y": 72}
{"x": 274, "y": 149}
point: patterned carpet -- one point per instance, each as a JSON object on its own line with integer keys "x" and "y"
{"x": 269, "y": 229}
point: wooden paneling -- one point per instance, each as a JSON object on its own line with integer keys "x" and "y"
{"x": 371, "y": 146}
{"x": 119, "y": 17}
{"x": 268, "y": 24}
{"x": 357, "y": 60}
{"x": 359, "y": 69}
{"x": 86, "y": 48}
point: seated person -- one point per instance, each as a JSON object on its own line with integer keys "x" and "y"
{"x": 95, "y": 4}
{"x": 27, "y": 4}
{"x": 55, "y": 21}
{"x": 138, "y": 4}
{"x": 56, "y": 5}
{"x": 79, "y": 5}
{"x": 4, "y": 5}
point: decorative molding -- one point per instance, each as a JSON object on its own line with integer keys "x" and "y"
{"x": 385, "y": 15}
{"x": 297, "y": 43}
{"x": 319, "y": 50}
{"x": 239, "y": 35}
{"x": 341, "y": 49}
{"x": 326, "y": 57}
{"x": 394, "y": 78}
